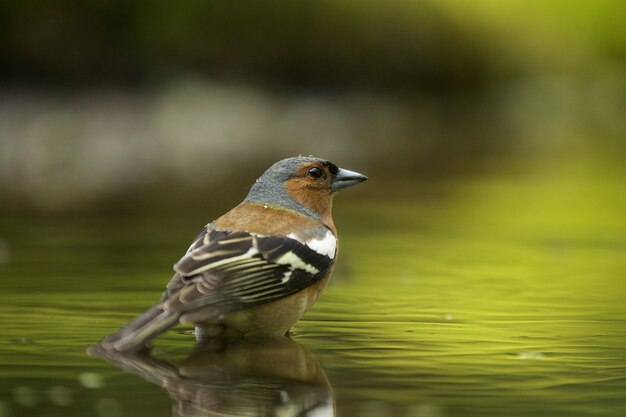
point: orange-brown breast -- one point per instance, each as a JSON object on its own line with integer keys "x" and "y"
{"x": 268, "y": 220}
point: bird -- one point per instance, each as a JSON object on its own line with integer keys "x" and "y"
{"x": 258, "y": 268}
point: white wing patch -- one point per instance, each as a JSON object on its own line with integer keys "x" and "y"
{"x": 325, "y": 246}
{"x": 294, "y": 260}
{"x": 286, "y": 276}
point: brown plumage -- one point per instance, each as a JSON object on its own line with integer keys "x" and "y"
{"x": 258, "y": 268}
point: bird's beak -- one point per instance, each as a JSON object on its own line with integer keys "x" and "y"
{"x": 345, "y": 178}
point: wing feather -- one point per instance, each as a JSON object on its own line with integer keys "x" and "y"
{"x": 234, "y": 270}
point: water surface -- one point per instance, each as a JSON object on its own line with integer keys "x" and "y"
{"x": 501, "y": 295}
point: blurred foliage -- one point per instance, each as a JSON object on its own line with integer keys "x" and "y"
{"x": 136, "y": 101}
{"x": 395, "y": 45}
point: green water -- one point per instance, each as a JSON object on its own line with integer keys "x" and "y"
{"x": 496, "y": 295}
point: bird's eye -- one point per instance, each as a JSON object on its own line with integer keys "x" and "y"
{"x": 315, "y": 173}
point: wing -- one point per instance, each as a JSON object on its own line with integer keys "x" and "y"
{"x": 235, "y": 270}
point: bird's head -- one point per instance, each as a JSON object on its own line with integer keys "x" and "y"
{"x": 303, "y": 184}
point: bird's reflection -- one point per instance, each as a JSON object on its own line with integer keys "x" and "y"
{"x": 249, "y": 377}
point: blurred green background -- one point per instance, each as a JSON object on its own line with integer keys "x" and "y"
{"x": 482, "y": 265}
{"x": 114, "y": 102}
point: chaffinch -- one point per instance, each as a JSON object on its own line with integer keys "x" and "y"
{"x": 258, "y": 268}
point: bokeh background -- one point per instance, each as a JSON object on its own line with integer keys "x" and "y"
{"x": 482, "y": 265}
{"x": 107, "y": 103}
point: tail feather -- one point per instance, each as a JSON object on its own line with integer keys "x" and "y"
{"x": 136, "y": 334}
